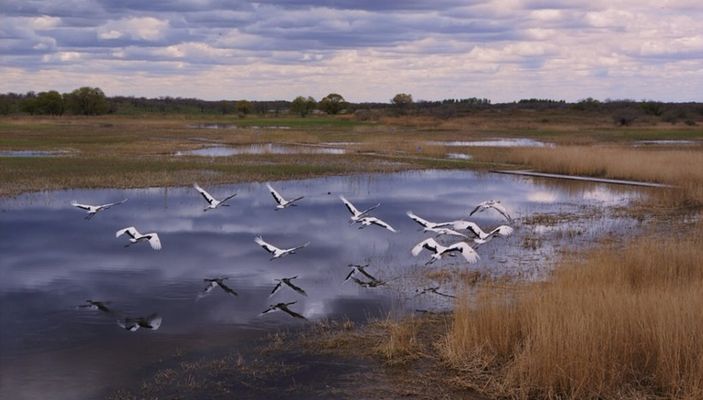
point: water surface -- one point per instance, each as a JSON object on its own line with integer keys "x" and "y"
{"x": 53, "y": 260}
{"x": 499, "y": 142}
{"x": 267, "y": 148}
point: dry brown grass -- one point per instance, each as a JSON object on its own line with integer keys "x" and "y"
{"x": 623, "y": 323}
{"x": 679, "y": 167}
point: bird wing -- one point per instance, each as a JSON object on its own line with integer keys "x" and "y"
{"x": 380, "y": 223}
{"x": 276, "y": 196}
{"x": 131, "y": 231}
{"x": 350, "y": 273}
{"x": 369, "y": 209}
{"x": 419, "y": 220}
{"x": 478, "y": 207}
{"x": 108, "y": 205}
{"x": 211, "y": 285}
{"x": 294, "y": 287}
{"x": 81, "y": 206}
{"x": 499, "y": 207}
{"x": 128, "y": 323}
{"x": 228, "y": 197}
{"x": 296, "y": 199}
{"x": 154, "y": 241}
{"x": 268, "y": 247}
{"x": 306, "y": 244}
{"x": 284, "y": 308}
{"x": 205, "y": 194}
{"x": 350, "y": 206}
{"x": 429, "y": 244}
{"x": 470, "y": 226}
{"x": 366, "y": 274}
{"x": 469, "y": 254}
{"x": 503, "y": 230}
{"x": 447, "y": 231}
{"x": 226, "y": 288}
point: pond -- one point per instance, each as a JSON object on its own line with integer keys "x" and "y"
{"x": 266, "y": 148}
{"x": 32, "y": 153}
{"x": 54, "y": 260}
{"x": 498, "y": 142}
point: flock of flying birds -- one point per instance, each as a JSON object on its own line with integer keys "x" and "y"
{"x": 357, "y": 273}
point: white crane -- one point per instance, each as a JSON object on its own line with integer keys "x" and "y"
{"x": 481, "y": 236}
{"x": 368, "y": 221}
{"x": 211, "y": 201}
{"x": 92, "y": 210}
{"x": 135, "y": 237}
{"x": 275, "y": 251}
{"x": 283, "y": 307}
{"x": 282, "y": 203}
{"x": 287, "y": 282}
{"x": 356, "y": 215}
{"x": 461, "y": 247}
{"x": 152, "y": 322}
{"x": 494, "y": 204}
{"x": 435, "y": 227}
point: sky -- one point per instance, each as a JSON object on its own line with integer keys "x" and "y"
{"x": 366, "y": 50}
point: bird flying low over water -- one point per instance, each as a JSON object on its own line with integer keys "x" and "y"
{"x": 92, "y": 210}
{"x": 494, "y": 204}
{"x": 481, "y": 236}
{"x": 439, "y": 228}
{"x": 152, "y": 322}
{"x": 460, "y": 247}
{"x": 356, "y": 215}
{"x": 275, "y": 251}
{"x": 368, "y": 221}
{"x": 135, "y": 237}
{"x": 211, "y": 201}
{"x": 213, "y": 282}
{"x": 287, "y": 282}
{"x": 283, "y": 307}
{"x": 281, "y": 202}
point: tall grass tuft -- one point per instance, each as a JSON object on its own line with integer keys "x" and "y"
{"x": 623, "y": 323}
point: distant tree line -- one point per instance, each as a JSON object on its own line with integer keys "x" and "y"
{"x": 93, "y": 101}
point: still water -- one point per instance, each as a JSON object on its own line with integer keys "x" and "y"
{"x": 53, "y": 260}
{"x": 267, "y": 148}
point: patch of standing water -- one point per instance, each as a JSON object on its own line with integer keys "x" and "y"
{"x": 32, "y": 153}
{"x": 234, "y": 126}
{"x": 268, "y": 148}
{"x": 459, "y": 156}
{"x": 519, "y": 142}
{"x": 55, "y": 259}
{"x": 666, "y": 143}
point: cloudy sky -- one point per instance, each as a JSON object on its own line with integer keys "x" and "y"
{"x": 366, "y": 50}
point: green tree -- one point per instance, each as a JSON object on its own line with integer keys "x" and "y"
{"x": 50, "y": 102}
{"x": 333, "y": 103}
{"x": 242, "y": 107}
{"x": 86, "y": 101}
{"x": 402, "y": 101}
{"x": 303, "y": 105}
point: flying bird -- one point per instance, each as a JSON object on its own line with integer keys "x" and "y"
{"x": 287, "y": 282}
{"x": 360, "y": 269}
{"x": 494, "y": 204}
{"x": 481, "y": 236}
{"x": 283, "y": 307}
{"x": 275, "y": 251}
{"x": 152, "y": 322}
{"x": 213, "y": 282}
{"x": 435, "y": 227}
{"x": 135, "y": 237}
{"x": 356, "y": 215}
{"x": 461, "y": 247}
{"x": 211, "y": 201}
{"x": 282, "y": 203}
{"x": 368, "y": 221}
{"x": 92, "y": 210}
